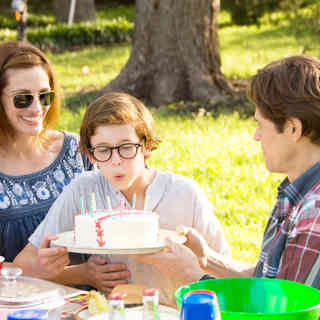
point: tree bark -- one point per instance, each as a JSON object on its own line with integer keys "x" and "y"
{"x": 84, "y": 11}
{"x": 175, "y": 54}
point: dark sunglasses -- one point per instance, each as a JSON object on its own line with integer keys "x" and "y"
{"x": 24, "y": 100}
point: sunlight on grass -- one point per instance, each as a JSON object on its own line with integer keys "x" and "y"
{"x": 101, "y": 63}
{"x": 245, "y": 49}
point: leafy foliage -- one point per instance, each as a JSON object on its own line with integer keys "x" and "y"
{"x": 114, "y": 25}
{"x": 246, "y": 12}
{"x": 62, "y": 36}
{"x": 34, "y": 21}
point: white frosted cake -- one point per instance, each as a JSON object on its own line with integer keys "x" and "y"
{"x": 123, "y": 229}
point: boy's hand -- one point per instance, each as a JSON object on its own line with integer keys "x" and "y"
{"x": 52, "y": 260}
{"x": 105, "y": 276}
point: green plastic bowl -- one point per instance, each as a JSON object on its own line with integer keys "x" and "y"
{"x": 260, "y": 298}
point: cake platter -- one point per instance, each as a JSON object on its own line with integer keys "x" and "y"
{"x": 66, "y": 239}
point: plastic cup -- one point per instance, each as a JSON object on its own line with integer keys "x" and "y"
{"x": 260, "y": 298}
{"x": 1, "y": 261}
{"x": 200, "y": 304}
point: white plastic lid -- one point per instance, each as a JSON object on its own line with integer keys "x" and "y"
{"x": 17, "y": 291}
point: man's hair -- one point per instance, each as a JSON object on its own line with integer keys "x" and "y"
{"x": 289, "y": 88}
{"x": 21, "y": 55}
{"x": 118, "y": 108}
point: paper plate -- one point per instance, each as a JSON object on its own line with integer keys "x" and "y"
{"x": 66, "y": 239}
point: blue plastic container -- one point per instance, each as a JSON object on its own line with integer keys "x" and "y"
{"x": 31, "y": 314}
{"x": 200, "y": 304}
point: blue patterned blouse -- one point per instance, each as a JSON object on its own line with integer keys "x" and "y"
{"x": 25, "y": 200}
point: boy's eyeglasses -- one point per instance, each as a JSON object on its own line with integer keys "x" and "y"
{"x": 24, "y": 100}
{"x": 125, "y": 151}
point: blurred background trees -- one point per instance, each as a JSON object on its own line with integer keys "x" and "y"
{"x": 246, "y": 12}
{"x": 84, "y": 10}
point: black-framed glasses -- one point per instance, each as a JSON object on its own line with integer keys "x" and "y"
{"x": 125, "y": 151}
{"x": 24, "y": 100}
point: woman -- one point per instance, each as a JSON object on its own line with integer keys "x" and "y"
{"x": 36, "y": 161}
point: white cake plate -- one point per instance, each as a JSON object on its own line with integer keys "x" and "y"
{"x": 66, "y": 239}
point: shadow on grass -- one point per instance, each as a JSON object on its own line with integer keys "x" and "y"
{"x": 185, "y": 109}
{"x": 77, "y": 101}
{"x": 193, "y": 110}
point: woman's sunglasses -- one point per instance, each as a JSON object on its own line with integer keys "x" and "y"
{"x": 24, "y": 100}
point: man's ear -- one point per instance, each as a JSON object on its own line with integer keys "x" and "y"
{"x": 294, "y": 128}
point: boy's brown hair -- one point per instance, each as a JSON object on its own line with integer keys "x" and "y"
{"x": 21, "y": 55}
{"x": 289, "y": 88}
{"x": 118, "y": 108}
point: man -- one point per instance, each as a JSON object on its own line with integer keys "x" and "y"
{"x": 287, "y": 98}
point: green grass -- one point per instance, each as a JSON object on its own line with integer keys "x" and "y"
{"x": 103, "y": 64}
{"x": 117, "y": 11}
{"x": 251, "y": 47}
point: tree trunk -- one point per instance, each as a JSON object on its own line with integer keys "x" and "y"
{"x": 175, "y": 54}
{"x": 84, "y": 11}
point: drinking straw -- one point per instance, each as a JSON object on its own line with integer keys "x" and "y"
{"x": 146, "y": 202}
{"x": 82, "y": 208}
{"x": 155, "y": 313}
{"x": 122, "y": 205}
{"x": 134, "y": 198}
{"x": 93, "y": 203}
{"x": 109, "y": 203}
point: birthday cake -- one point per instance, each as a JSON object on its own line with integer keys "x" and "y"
{"x": 123, "y": 229}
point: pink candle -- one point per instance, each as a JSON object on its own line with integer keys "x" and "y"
{"x": 1, "y": 261}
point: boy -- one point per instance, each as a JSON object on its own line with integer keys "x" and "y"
{"x": 118, "y": 135}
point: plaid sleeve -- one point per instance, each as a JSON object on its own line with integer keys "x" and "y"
{"x": 300, "y": 260}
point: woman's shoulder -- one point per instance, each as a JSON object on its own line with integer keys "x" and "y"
{"x": 63, "y": 142}
{"x": 57, "y": 138}
{"x": 65, "y": 145}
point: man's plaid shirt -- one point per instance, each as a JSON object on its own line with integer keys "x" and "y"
{"x": 291, "y": 243}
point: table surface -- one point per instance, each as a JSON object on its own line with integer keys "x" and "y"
{"x": 74, "y": 300}
{"x": 55, "y": 314}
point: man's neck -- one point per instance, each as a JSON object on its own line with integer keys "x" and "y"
{"x": 306, "y": 159}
